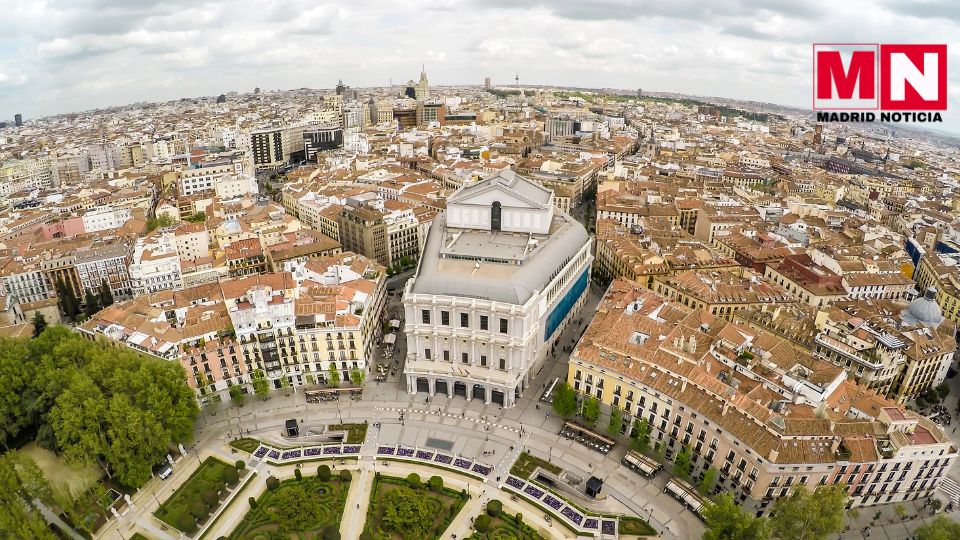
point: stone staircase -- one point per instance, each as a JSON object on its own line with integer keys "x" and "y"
{"x": 949, "y": 488}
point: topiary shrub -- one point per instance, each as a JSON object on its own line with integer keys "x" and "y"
{"x": 345, "y": 475}
{"x": 272, "y": 483}
{"x": 186, "y": 523}
{"x": 365, "y": 535}
{"x": 210, "y": 498}
{"x": 331, "y": 533}
{"x": 253, "y": 502}
{"x": 519, "y": 518}
{"x": 298, "y": 474}
{"x": 199, "y": 510}
{"x": 240, "y": 465}
{"x": 323, "y": 473}
{"x": 230, "y": 476}
{"x": 494, "y": 508}
{"x": 436, "y": 483}
{"x": 482, "y": 523}
{"x": 413, "y": 480}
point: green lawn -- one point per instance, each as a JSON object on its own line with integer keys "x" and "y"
{"x": 506, "y": 527}
{"x": 356, "y": 433}
{"x": 245, "y": 444}
{"x": 526, "y": 464}
{"x": 207, "y": 477}
{"x": 330, "y": 496}
{"x": 441, "y": 508}
{"x": 636, "y": 526}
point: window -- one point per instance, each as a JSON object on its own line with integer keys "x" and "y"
{"x": 495, "y": 216}
{"x": 463, "y": 358}
{"x": 484, "y": 322}
{"x": 503, "y": 364}
{"x": 483, "y": 360}
{"x": 426, "y": 354}
{"x": 503, "y": 326}
{"x": 445, "y": 318}
{"x": 464, "y": 320}
{"x": 446, "y": 356}
{"x": 425, "y": 316}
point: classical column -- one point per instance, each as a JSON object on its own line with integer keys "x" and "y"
{"x": 486, "y": 394}
{"x": 432, "y": 383}
{"x": 411, "y": 384}
{"x": 449, "y": 389}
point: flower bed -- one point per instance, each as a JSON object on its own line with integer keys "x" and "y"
{"x": 482, "y": 469}
{"x": 315, "y": 451}
{"x": 262, "y": 451}
{"x": 533, "y": 491}
{"x": 462, "y": 463}
{"x": 331, "y": 450}
{"x": 440, "y": 458}
{"x": 427, "y": 456}
{"x": 552, "y": 502}
{"x": 385, "y": 450}
{"x": 404, "y": 452}
{"x": 609, "y": 527}
{"x": 352, "y": 449}
{"x": 515, "y": 482}
{"x": 290, "y": 454}
{"x": 590, "y": 523}
{"x": 273, "y": 454}
{"x": 572, "y": 515}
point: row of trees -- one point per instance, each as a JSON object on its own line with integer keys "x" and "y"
{"x": 92, "y": 402}
{"x": 261, "y": 385}
{"x": 801, "y": 515}
{"x": 93, "y": 302}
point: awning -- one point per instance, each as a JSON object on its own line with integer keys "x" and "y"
{"x": 395, "y": 323}
{"x": 390, "y": 339}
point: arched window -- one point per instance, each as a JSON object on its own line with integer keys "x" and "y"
{"x": 495, "y": 216}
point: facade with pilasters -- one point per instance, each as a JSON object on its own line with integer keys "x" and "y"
{"x": 501, "y": 274}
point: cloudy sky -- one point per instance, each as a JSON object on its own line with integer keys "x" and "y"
{"x": 69, "y": 55}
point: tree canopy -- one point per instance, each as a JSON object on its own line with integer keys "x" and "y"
{"x": 806, "y": 515}
{"x": 294, "y": 509}
{"x": 591, "y": 409}
{"x": 726, "y": 521}
{"x": 93, "y": 402}
{"x": 941, "y": 528}
{"x": 20, "y": 482}
{"x": 564, "y": 401}
{"x": 406, "y": 513}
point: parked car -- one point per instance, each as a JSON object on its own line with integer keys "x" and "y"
{"x": 163, "y": 470}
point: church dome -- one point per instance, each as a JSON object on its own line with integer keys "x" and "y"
{"x": 924, "y": 310}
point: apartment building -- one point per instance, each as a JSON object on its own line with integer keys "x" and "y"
{"x": 752, "y": 405}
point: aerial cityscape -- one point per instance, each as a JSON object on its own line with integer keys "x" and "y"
{"x": 502, "y": 303}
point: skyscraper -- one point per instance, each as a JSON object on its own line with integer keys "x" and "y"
{"x": 18, "y": 119}
{"x": 486, "y": 83}
{"x": 422, "y": 89}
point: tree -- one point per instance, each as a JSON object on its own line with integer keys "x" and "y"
{"x": 436, "y": 483}
{"x": 616, "y": 418}
{"x": 333, "y": 376}
{"x": 293, "y": 508}
{"x": 330, "y": 532}
{"x": 564, "y": 401}
{"x": 806, "y": 515}
{"x": 237, "y": 395}
{"x": 941, "y": 528}
{"x": 106, "y": 296}
{"x": 39, "y": 324}
{"x": 357, "y": 376}
{"x": 284, "y": 382}
{"x": 482, "y": 523}
{"x": 260, "y": 385}
{"x": 591, "y": 410}
{"x": 709, "y": 481}
{"x": 406, "y": 513}
{"x": 345, "y": 475}
{"x": 494, "y": 508}
{"x": 682, "y": 463}
{"x": 273, "y": 483}
{"x": 641, "y": 434}
{"x": 69, "y": 304}
{"x": 231, "y": 476}
{"x": 209, "y": 498}
{"x": 726, "y": 521}
{"x": 198, "y": 217}
{"x": 323, "y": 473}
{"x": 91, "y": 304}
{"x": 413, "y": 480}
{"x": 18, "y": 517}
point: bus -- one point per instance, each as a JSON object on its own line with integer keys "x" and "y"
{"x": 687, "y": 494}
{"x": 640, "y": 463}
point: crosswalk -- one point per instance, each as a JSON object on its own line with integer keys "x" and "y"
{"x": 482, "y": 421}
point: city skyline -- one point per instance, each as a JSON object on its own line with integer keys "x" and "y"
{"x": 61, "y": 58}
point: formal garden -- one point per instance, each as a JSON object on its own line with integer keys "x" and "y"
{"x": 356, "y": 433}
{"x": 190, "y": 506}
{"x": 246, "y": 444}
{"x": 495, "y": 524}
{"x": 409, "y": 509}
{"x": 304, "y": 507}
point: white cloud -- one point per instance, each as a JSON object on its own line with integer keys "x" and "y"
{"x": 144, "y": 50}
